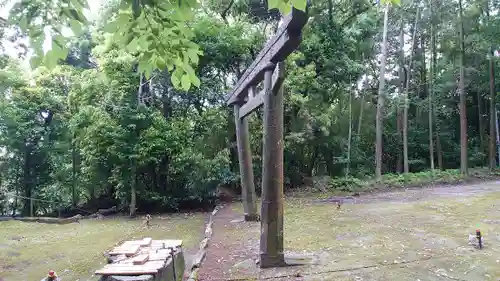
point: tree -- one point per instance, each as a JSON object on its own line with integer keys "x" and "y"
{"x": 407, "y": 88}
{"x": 461, "y": 91}
{"x": 431, "y": 87}
{"x": 492, "y": 140}
{"x": 380, "y": 102}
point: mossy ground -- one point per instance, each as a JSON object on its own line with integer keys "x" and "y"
{"x": 75, "y": 251}
{"x": 412, "y": 235}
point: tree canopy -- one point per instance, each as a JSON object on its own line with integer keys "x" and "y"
{"x": 110, "y": 117}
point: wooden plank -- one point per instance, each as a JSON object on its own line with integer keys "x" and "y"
{"x": 156, "y": 257}
{"x": 140, "y": 259}
{"x": 252, "y": 105}
{"x": 128, "y": 264}
{"x": 283, "y": 43}
{"x": 257, "y": 101}
{"x": 168, "y": 243}
{"x": 125, "y": 250}
{"x": 132, "y": 270}
{"x": 147, "y": 241}
{"x": 144, "y": 242}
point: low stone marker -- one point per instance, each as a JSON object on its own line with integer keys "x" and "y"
{"x": 144, "y": 260}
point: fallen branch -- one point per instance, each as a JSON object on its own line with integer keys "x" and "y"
{"x": 48, "y": 220}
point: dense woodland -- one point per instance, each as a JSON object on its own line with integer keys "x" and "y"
{"x": 78, "y": 135}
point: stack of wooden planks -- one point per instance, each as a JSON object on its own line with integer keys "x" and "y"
{"x": 139, "y": 257}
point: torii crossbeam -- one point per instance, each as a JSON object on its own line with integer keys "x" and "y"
{"x": 268, "y": 66}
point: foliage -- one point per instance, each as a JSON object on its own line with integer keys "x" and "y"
{"x": 104, "y": 146}
{"x": 419, "y": 179}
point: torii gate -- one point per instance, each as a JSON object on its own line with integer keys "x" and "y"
{"x": 267, "y": 67}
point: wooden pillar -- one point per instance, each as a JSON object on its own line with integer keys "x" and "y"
{"x": 246, "y": 168}
{"x": 271, "y": 240}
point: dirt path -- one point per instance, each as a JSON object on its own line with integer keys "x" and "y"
{"x": 221, "y": 249}
{"x": 439, "y": 191}
{"x": 234, "y": 246}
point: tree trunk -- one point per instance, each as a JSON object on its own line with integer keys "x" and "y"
{"x": 350, "y": 136}
{"x": 423, "y": 69}
{"x": 27, "y": 210}
{"x": 498, "y": 134}
{"x": 133, "y": 162}
{"x": 74, "y": 171}
{"x": 431, "y": 90}
{"x": 399, "y": 121}
{"x": 361, "y": 108}
{"x": 480, "y": 119}
{"x": 380, "y": 101}
{"x": 405, "y": 112}
{"x": 133, "y": 189}
{"x": 461, "y": 89}
{"x": 14, "y": 210}
{"x": 492, "y": 144}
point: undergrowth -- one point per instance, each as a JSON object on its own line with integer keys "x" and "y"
{"x": 419, "y": 179}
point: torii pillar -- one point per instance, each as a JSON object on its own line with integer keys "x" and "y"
{"x": 271, "y": 239}
{"x": 246, "y": 167}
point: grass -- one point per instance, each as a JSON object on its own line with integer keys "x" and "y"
{"x": 390, "y": 240}
{"x": 75, "y": 251}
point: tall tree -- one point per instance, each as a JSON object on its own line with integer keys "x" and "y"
{"x": 399, "y": 121}
{"x": 492, "y": 137}
{"x": 431, "y": 87}
{"x": 461, "y": 90}
{"x": 380, "y": 102}
{"x": 406, "y": 98}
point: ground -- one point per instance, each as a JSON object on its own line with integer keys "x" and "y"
{"x": 417, "y": 234}
{"x": 75, "y": 251}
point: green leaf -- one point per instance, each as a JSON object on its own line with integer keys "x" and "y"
{"x": 35, "y": 61}
{"x": 124, "y": 5}
{"x": 273, "y": 4}
{"x": 76, "y": 27}
{"x": 77, "y": 4}
{"x": 50, "y": 60}
{"x": 112, "y": 26}
{"x": 133, "y": 44}
{"x": 148, "y": 70}
{"x": 160, "y": 63}
{"x": 285, "y": 8}
{"x": 193, "y": 55}
{"x": 388, "y": 2}
{"x": 58, "y": 49}
{"x": 77, "y": 15}
{"x": 186, "y": 82}
{"x": 299, "y": 4}
{"x": 195, "y": 80}
{"x": 175, "y": 81}
{"x": 23, "y": 23}
{"x": 170, "y": 64}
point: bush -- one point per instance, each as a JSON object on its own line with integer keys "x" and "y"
{"x": 346, "y": 184}
{"x": 419, "y": 179}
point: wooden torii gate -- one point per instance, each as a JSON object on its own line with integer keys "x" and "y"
{"x": 268, "y": 67}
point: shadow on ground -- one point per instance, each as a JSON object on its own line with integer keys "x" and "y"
{"x": 419, "y": 234}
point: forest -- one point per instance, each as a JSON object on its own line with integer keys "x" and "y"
{"x": 374, "y": 88}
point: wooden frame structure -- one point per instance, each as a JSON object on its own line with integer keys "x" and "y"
{"x": 268, "y": 67}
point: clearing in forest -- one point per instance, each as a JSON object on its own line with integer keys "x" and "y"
{"x": 418, "y": 234}
{"x": 29, "y": 250}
